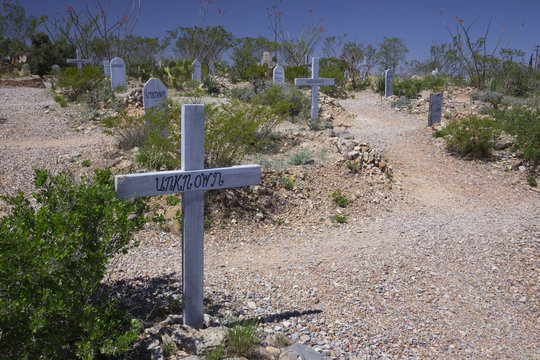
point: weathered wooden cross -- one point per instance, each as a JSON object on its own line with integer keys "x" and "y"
{"x": 79, "y": 61}
{"x": 192, "y": 180}
{"x": 314, "y": 82}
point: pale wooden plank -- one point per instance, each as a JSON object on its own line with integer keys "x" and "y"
{"x": 192, "y": 137}
{"x": 178, "y": 181}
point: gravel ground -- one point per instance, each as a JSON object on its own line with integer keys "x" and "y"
{"x": 447, "y": 269}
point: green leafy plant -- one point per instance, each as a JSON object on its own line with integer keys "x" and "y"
{"x": 293, "y": 72}
{"x": 378, "y": 84}
{"x": 60, "y": 100}
{"x": 409, "y": 88}
{"x": 75, "y": 83}
{"x": 53, "y": 257}
{"x": 471, "y": 136}
{"x": 302, "y": 157}
{"x": 86, "y": 163}
{"x": 353, "y": 166}
{"x": 340, "y": 219}
{"x": 339, "y": 198}
{"x": 173, "y": 200}
{"x": 210, "y": 85}
{"x": 531, "y": 180}
{"x": 241, "y": 338}
{"x": 390, "y": 174}
{"x": 524, "y": 124}
{"x": 288, "y": 182}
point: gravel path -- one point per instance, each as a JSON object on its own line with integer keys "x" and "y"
{"x": 448, "y": 271}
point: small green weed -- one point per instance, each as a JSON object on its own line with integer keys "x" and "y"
{"x": 301, "y": 157}
{"x": 173, "y": 200}
{"x": 85, "y": 163}
{"x": 168, "y": 349}
{"x": 353, "y": 166}
{"x": 339, "y": 198}
{"x": 531, "y": 180}
{"x": 216, "y": 353}
{"x": 241, "y": 338}
{"x": 340, "y": 219}
{"x": 288, "y": 182}
{"x": 390, "y": 174}
{"x": 279, "y": 221}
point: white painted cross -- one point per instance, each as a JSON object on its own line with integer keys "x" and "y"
{"x": 314, "y": 82}
{"x": 192, "y": 180}
{"x": 79, "y": 61}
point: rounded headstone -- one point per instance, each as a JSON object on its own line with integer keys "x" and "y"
{"x": 154, "y": 92}
{"x": 196, "y": 71}
{"x": 118, "y": 73}
{"x": 279, "y": 75}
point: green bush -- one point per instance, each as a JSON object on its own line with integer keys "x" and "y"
{"x": 234, "y": 128}
{"x": 339, "y": 198}
{"x": 53, "y": 257}
{"x": 378, "y": 84}
{"x": 75, "y": 83}
{"x": 409, "y": 88}
{"x": 245, "y": 94}
{"x": 433, "y": 83}
{"x": 524, "y": 125}
{"x": 471, "y": 136}
{"x": 333, "y": 68}
{"x": 210, "y": 85}
{"x": 493, "y": 98}
{"x": 293, "y": 72}
{"x": 256, "y": 72}
{"x": 285, "y": 100}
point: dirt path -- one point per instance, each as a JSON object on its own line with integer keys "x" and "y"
{"x": 450, "y": 271}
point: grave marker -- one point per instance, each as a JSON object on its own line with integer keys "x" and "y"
{"x": 107, "y": 68}
{"x": 154, "y": 91}
{"x": 347, "y": 75}
{"x": 278, "y": 76}
{"x": 196, "y": 71}
{"x": 79, "y": 61}
{"x": 314, "y": 82}
{"x": 435, "y": 72}
{"x": 388, "y": 80}
{"x": 266, "y": 58}
{"x": 467, "y": 78}
{"x": 435, "y": 108}
{"x": 192, "y": 180}
{"x": 118, "y": 73}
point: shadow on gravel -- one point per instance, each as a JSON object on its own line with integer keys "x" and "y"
{"x": 153, "y": 299}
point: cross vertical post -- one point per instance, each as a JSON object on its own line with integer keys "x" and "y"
{"x": 79, "y": 60}
{"x": 192, "y": 217}
{"x": 314, "y": 82}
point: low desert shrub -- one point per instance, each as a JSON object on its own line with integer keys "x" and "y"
{"x": 301, "y": 157}
{"x": 471, "y": 136}
{"x": 524, "y": 124}
{"x": 53, "y": 256}
{"x": 409, "y": 88}
{"x": 293, "y": 72}
{"x": 75, "y": 83}
{"x": 339, "y": 198}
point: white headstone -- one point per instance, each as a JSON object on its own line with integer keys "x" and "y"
{"x": 314, "y": 82}
{"x": 192, "y": 180}
{"x": 154, "y": 93}
{"x": 435, "y": 108}
{"x": 118, "y": 73}
{"x": 278, "y": 75}
{"x": 435, "y": 72}
{"x": 107, "y": 68}
{"x": 266, "y": 58}
{"x": 196, "y": 71}
{"x": 388, "y": 80}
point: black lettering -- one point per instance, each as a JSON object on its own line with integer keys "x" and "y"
{"x": 205, "y": 178}
{"x": 175, "y": 184}
{"x": 189, "y": 183}
{"x": 199, "y": 178}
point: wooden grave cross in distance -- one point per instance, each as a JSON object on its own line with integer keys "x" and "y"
{"x": 192, "y": 180}
{"x": 314, "y": 82}
{"x": 79, "y": 61}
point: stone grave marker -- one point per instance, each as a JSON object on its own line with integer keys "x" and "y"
{"x": 266, "y": 58}
{"x": 154, "y": 93}
{"x": 107, "y": 68}
{"x": 118, "y": 73}
{"x": 314, "y": 82}
{"x": 388, "y": 80}
{"x": 196, "y": 71}
{"x": 79, "y": 61}
{"x": 192, "y": 180}
{"x": 435, "y": 72}
{"x": 467, "y": 79}
{"x": 435, "y": 109}
{"x": 278, "y": 76}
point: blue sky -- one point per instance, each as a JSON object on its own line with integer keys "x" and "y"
{"x": 417, "y": 22}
